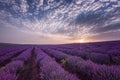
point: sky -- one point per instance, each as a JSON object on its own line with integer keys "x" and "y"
{"x": 59, "y": 21}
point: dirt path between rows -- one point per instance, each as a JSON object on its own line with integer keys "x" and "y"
{"x": 31, "y": 70}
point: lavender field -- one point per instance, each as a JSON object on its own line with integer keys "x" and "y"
{"x": 85, "y": 61}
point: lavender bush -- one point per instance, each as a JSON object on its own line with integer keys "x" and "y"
{"x": 50, "y": 70}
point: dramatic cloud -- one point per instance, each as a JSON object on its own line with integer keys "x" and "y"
{"x": 66, "y": 19}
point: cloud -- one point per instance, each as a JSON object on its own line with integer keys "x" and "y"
{"x": 72, "y": 19}
{"x": 112, "y": 35}
{"x": 91, "y": 18}
{"x": 24, "y": 6}
{"x": 111, "y": 27}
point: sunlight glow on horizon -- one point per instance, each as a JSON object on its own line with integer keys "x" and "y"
{"x": 82, "y": 41}
{"x": 59, "y": 21}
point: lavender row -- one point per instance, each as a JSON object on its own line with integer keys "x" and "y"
{"x": 8, "y": 49}
{"x": 101, "y": 47}
{"x": 105, "y": 48}
{"x": 95, "y": 57}
{"x": 10, "y": 54}
{"x": 9, "y": 71}
{"x": 24, "y": 56}
{"x": 87, "y": 69}
{"x": 50, "y": 70}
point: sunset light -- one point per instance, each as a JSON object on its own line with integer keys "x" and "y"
{"x": 59, "y": 21}
{"x": 82, "y": 41}
{"x": 59, "y": 39}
